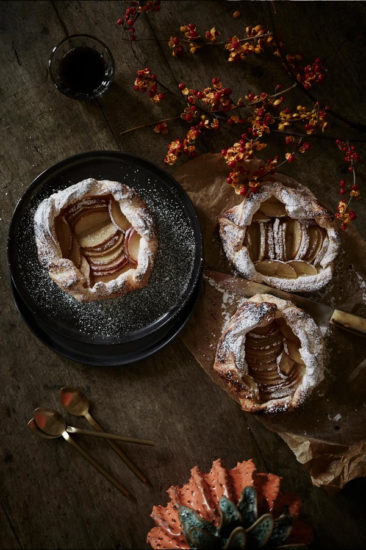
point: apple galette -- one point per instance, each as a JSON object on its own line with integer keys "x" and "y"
{"x": 270, "y": 354}
{"x": 281, "y": 236}
{"x": 97, "y": 239}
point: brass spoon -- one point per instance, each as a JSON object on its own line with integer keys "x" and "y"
{"x": 38, "y": 425}
{"x": 34, "y": 429}
{"x": 75, "y": 402}
{"x": 54, "y": 421}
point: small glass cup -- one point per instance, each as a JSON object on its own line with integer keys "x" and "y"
{"x": 81, "y": 66}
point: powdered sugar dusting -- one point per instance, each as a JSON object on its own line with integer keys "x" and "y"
{"x": 106, "y": 320}
{"x": 300, "y": 204}
{"x": 289, "y": 391}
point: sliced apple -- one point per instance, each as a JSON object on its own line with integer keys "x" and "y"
{"x": 264, "y": 342}
{"x": 75, "y": 254}
{"x": 262, "y": 241}
{"x": 286, "y": 363}
{"x": 63, "y": 235}
{"x": 256, "y": 353}
{"x": 266, "y": 329}
{"x": 293, "y": 239}
{"x": 305, "y": 241}
{"x": 278, "y": 240}
{"x": 132, "y": 244}
{"x": 98, "y": 236}
{"x": 115, "y": 241}
{"x": 275, "y": 268}
{"x": 271, "y": 373}
{"x": 270, "y": 248}
{"x": 323, "y": 248}
{"x": 322, "y": 236}
{"x": 262, "y": 363}
{"x": 117, "y": 216}
{"x": 314, "y": 238}
{"x": 261, "y": 368}
{"x": 107, "y": 276}
{"x": 112, "y": 267}
{"x": 287, "y": 332}
{"x": 282, "y": 384}
{"x": 273, "y": 208}
{"x": 315, "y": 242}
{"x": 108, "y": 257}
{"x": 95, "y": 206}
{"x": 259, "y": 216}
{"x": 293, "y": 352}
{"x": 269, "y": 379}
{"x": 272, "y": 379}
{"x": 303, "y": 268}
{"x": 90, "y": 220}
{"x": 283, "y": 236}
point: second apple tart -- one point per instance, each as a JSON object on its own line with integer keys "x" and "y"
{"x": 281, "y": 236}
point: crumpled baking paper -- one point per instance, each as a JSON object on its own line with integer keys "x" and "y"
{"x": 327, "y": 433}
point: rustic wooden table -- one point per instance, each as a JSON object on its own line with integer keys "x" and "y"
{"x": 49, "y": 497}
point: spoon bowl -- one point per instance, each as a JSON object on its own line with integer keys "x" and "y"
{"x": 74, "y": 401}
{"x": 37, "y": 431}
{"x": 49, "y": 422}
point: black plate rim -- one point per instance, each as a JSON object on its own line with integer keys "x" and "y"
{"x": 125, "y": 157}
{"x": 119, "y": 360}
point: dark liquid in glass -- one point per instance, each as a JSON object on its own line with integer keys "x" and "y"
{"x": 82, "y": 70}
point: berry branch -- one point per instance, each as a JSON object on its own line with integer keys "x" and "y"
{"x": 261, "y": 114}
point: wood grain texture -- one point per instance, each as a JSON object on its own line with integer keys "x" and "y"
{"x": 49, "y": 497}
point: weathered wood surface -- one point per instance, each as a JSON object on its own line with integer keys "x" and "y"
{"x": 49, "y": 497}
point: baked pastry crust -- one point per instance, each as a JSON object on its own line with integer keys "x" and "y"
{"x": 85, "y": 235}
{"x": 281, "y": 236}
{"x": 271, "y": 354}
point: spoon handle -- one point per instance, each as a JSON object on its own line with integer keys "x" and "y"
{"x": 97, "y": 466}
{"x": 117, "y": 449}
{"x": 73, "y": 430}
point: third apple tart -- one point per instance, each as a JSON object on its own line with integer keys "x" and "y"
{"x": 270, "y": 354}
{"x": 281, "y": 236}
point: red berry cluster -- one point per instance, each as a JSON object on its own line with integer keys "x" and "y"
{"x": 192, "y": 38}
{"x": 188, "y": 145}
{"x": 264, "y": 107}
{"x": 161, "y": 128}
{"x": 146, "y": 82}
{"x": 314, "y": 119}
{"x": 344, "y": 214}
{"x": 309, "y": 74}
{"x": 133, "y": 11}
{"x": 212, "y": 34}
{"x": 216, "y": 97}
{"x": 301, "y": 147}
{"x": 256, "y": 39}
{"x": 350, "y": 154}
{"x": 176, "y": 46}
{"x": 236, "y": 157}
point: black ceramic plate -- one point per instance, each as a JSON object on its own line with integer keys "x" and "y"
{"x": 144, "y": 316}
{"x": 102, "y": 355}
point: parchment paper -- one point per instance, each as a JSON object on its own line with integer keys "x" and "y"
{"x": 327, "y": 433}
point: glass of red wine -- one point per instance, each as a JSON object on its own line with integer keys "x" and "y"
{"x": 81, "y": 66}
